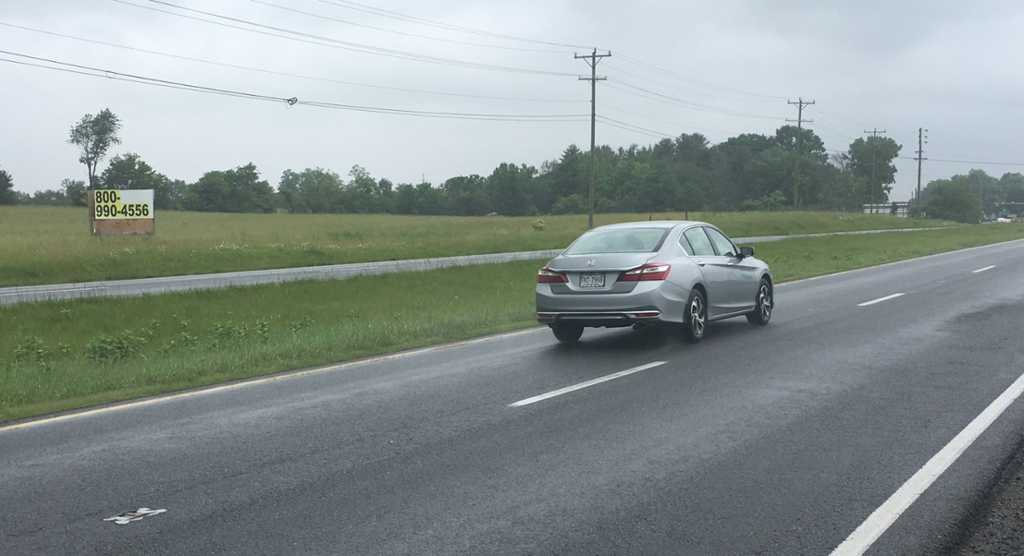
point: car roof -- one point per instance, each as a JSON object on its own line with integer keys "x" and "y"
{"x": 652, "y": 224}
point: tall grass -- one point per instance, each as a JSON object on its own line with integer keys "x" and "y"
{"x": 61, "y": 355}
{"x": 48, "y": 245}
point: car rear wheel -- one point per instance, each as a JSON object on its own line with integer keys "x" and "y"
{"x": 567, "y": 333}
{"x": 696, "y": 316}
{"x": 763, "y": 309}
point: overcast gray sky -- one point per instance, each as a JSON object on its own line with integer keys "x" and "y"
{"x": 718, "y": 68}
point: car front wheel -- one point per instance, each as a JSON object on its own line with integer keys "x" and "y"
{"x": 763, "y": 310}
{"x": 696, "y": 317}
{"x": 567, "y": 333}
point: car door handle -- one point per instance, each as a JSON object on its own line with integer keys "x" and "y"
{"x": 702, "y": 263}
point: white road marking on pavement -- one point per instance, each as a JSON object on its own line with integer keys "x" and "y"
{"x": 128, "y": 517}
{"x": 878, "y": 522}
{"x": 881, "y": 299}
{"x": 990, "y": 267}
{"x": 582, "y": 385}
{"x": 255, "y": 381}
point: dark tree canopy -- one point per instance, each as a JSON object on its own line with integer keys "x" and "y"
{"x": 7, "y": 194}
{"x": 872, "y": 159}
{"x": 238, "y": 190}
{"x": 952, "y": 199}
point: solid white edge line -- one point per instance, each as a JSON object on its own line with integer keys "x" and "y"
{"x": 895, "y": 263}
{"x": 878, "y": 522}
{"x": 881, "y": 299}
{"x": 989, "y": 267}
{"x": 283, "y": 375}
{"x": 586, "y": 384}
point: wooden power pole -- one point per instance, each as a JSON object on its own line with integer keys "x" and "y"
{"x": 592, "y": 60}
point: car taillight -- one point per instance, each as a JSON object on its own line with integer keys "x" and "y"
{"x": 548, "y": 276}
{"x": 649, "y": 271}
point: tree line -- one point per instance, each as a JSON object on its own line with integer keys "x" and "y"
{"x": 788, "y": 170}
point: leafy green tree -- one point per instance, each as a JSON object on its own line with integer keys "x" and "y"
{"x": 509, "y": 186}
{"x": 769, "y": 203}
{"x": 313, "y": 190}
{"x": 74, "y": 191}
{"x": 237, "y": 190}
{"x": 7, "y": 194}
{"x": 1013, "y": 184}
{"x": 871, "y": 159}
{"x": 94, "y": 135}
{"x": 129, "y": 171}
{"x": 573, "y": 204}
{"x": 466, "y": 196}
{"x": 571, "y": 174}
{"x": 50, "y": 197}
{"x": 988, "y": 189}
{"x": 803, "y": 141}
{"x": 171, "y": 194}
{"x": 732, "y": 175}
{"x": 692, "y": 149}
{"x": 367, "y": 195}
{"x": 952, "y": 200}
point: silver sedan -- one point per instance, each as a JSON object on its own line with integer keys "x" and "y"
{"x": 643, "y": 273}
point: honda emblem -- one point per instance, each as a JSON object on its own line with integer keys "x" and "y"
{"x": 590, "y": 262}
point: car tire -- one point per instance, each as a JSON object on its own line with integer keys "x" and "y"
{"x": 763, "y": 304}
{"x": 695, "y": 317}
{"x": 567, "y": 333}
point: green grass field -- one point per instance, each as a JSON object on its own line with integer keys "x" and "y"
{"x": 50, "y": 245}
{"x": 70, "y": 354}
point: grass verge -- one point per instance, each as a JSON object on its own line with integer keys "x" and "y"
{"x": 51, "y": 245}
{"x": 64, "y": 355}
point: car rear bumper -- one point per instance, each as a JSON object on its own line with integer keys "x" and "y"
{"x": 602, "y": 320}
{"x": 649, "y": 303}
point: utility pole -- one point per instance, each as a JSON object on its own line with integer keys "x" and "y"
{"x": 920, "y": 157}
{"x": 592, "y": 60}
{"x": 874, "y": 134}
{"x": 800, "y": 103}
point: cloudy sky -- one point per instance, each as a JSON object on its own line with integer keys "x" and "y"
{"x": 416, "y": 91}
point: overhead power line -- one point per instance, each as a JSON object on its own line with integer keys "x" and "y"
{"x": 653, "y": 95}
{"x": 404, "y": 33}
{"x": 310, "y": 38}
{"x": 91, "y": 71}
{"x": 280, "y": 73}
{"x": 437, "y": 24}
{"x": 695, "y": 81}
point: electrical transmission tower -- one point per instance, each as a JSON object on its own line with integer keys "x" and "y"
{"x": 800, "y": 103}
{"x": 592, "y": 60}
{"x": 874, "y": 133}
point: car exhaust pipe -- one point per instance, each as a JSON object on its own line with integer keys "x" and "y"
{"x": 640, "y": 325}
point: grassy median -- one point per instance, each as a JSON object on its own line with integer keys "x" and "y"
{"x": 51, "y": 245}
{"x": 70, "y": 354}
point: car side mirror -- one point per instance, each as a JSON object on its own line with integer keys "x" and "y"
{"x": 746, "y": 252}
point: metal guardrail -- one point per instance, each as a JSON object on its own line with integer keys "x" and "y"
{"x": 144, "y": 286}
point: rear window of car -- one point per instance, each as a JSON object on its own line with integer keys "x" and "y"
{"x": 622, "y": 240}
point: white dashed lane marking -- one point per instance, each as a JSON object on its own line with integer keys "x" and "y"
{"x": 586, "y": 384}
{"x": 881, "y": 299}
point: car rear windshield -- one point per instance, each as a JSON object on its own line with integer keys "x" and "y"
{"x": 622, "y": 240}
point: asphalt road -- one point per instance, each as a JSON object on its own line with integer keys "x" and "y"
{"x": 774, "y": 440}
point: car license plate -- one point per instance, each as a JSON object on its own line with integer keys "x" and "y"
{"x": 592, "y": 280}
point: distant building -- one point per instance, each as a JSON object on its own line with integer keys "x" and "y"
{"x": 894, "y": 208}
